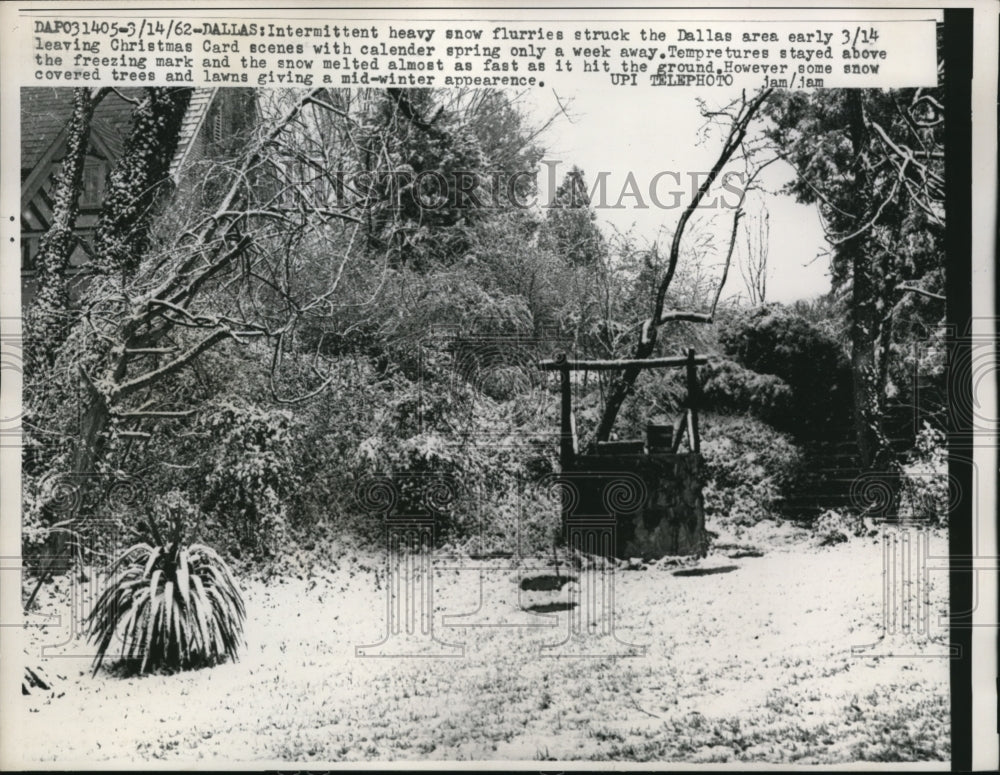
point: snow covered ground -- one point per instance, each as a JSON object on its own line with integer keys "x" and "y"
{"x": 745, "y": 658}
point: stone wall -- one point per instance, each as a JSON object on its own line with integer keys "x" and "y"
{"x": 654, "y": 502}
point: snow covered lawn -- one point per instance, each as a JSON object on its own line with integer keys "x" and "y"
{"x": 750, "y": 662}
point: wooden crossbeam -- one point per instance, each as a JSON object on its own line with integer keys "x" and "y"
{"x": 686, "y": 424}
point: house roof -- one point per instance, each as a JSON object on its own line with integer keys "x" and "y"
{"x": 190, "y": 126}
{"x": 45, "y": 112}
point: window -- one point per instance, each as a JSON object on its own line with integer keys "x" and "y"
{"x": 92, "y": 194}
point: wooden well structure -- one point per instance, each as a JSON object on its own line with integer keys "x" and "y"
{"x": 638, "y": 498}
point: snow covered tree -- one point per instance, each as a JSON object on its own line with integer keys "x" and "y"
{"x": 570, "y": 228}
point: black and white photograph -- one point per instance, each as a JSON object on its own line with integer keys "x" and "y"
{"x": 625, "y": 401}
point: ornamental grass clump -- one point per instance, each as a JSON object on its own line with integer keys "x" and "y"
{"x": 172, "y": 607}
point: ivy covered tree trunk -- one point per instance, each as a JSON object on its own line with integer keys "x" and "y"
{"x": 138, "y": 179}
{"x": 49, "y": 318}
{"x": 123, "y": 230}
{"x": 121, "y": 240}
{"x": 868, "y": 371}
{"x": 873, "y": 274}
{"x": 864, "y": 290}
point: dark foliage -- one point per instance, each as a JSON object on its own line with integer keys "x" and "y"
{"x": 731, "y": 387}
{"x": 771, "y": 340}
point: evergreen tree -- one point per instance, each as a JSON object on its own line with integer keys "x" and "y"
{"x": 571, "y": 224}
{"x": 872, "y": 161}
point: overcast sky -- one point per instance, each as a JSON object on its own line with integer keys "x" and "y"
{"x": 619, "y": 130}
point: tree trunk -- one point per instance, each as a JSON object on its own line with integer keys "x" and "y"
{"x": 867, "y": 360}
{"x": 48, "y": 320}
{"x": 865, "y": 369}
{"x": 121, "y": 237}
{"x": 870, "y": 332}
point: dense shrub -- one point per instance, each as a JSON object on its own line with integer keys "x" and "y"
{"x": 249, "y": 482}
{"x": 727, "y": 386}
{"x": 333, "y": 425}
{"x": 772, "y": 340}
{"x": 750, "y": 468}
{"x": 835, "y": 526}
{"x": 454, "y": 429}
{"x": 925, "y": 492}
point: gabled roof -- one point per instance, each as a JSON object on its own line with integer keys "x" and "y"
{"x": 45, "y": 113}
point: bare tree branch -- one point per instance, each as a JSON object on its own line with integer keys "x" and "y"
{"x": 921, "y": 292}
{"x": 741, "y": 118}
